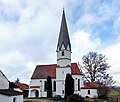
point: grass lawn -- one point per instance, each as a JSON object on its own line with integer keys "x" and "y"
{"x": 116, "y": 94}
{"x": 102, "y": 100}
{"x": 113, "y": 94}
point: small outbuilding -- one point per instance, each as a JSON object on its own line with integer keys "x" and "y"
{"x": 7, "y": 90}
{"x": 7, "y": 95}
{"x": 24, "y": 87}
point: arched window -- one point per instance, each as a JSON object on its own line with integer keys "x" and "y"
{"x": 63, "y": 91}
{"x": 14, "y": 99}
{"x": 45, "y": 85}
{"x": 63, "y": 53}
{"x": 54, "y": 83}
{"x": 88, "y": 92}
{"x": 78, "y": 84}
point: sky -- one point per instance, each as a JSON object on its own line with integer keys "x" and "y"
{"x": 29, "y": 31}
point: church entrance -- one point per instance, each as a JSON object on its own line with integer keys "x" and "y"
{"x": 36, "y": 93}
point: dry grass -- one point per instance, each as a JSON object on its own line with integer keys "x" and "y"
{"x": 89, "y": 100}
{"x": 41, "y": 100}
{"x": 38, "y": 100}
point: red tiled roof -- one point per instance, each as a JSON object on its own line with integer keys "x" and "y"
{"x": 75, "y": 69}
{"x": 43, "y": 71}
{"x": 22, "y": 86}
{"x": 90, "y": 85}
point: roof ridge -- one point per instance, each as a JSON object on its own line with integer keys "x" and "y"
{"x": 4, "y": 75}
{"x": 74, "y": 63}
{"x": 46, "y": 65}
{"x": 54, "y": 64}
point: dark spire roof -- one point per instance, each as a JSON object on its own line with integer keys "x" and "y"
{"x": 63, "y": 35}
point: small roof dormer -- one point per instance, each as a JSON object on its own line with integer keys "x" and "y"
{"x": 63, "y": 35}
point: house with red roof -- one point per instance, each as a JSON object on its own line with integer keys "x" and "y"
{"x": 7, "y": 90}
{"x": 23, "y": 87}
{"x": 57, "y": 72}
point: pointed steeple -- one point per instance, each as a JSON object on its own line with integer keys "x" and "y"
{"x": 63, "y": 35}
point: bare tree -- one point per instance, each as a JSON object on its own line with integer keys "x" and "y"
{"x": 95, "y": 66}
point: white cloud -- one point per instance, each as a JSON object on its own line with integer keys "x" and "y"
{"x": 112, "y": 52}
{"x": 26, "y": 41}
{"x": 11, "y": 57}
{"x": 87, "y": 18}
{"x": 82, "y": 43}
{"x": 12, "y": 63}
{"x": 116, "y": 26}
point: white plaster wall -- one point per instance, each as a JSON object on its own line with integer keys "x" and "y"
{"x": 44, "y": 93}
{"x": 93, "y": 93}
{"x": 60, "y": 59}
{"x": 4, "y": 98}
{"x": 63, "y": 62}
{"x": 35, "y": 82}
{"x": 19, "y": 98}
{"x": 67, "y": 54}
{"x": 4, "y": 84}
{"x": 54, "y": 93}
{"x": 38, "y": 82}
{"x": 60, "y": 80}
{"x": 82, "y": 82}
{"x": 62, "y": 72}
{"x": 76, "y": 83}
{"x": 32, "y": 92}
{"x": 76, "y": 77}
{"x": 60, "y": 87}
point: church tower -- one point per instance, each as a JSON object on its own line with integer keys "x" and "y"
{"x": 64, "y": 46}
{"x": 63, "y": 57}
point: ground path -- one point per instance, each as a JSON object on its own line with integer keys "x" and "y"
{"x": 38, "y": 100}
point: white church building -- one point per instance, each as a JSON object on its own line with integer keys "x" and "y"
{"x": 58, "y": 72}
